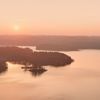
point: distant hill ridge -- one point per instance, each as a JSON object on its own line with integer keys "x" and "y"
{"x": 62, "y": 43}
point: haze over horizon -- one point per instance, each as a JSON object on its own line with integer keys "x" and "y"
{"x": 50, "y": 17}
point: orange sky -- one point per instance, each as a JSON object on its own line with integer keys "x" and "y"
{"x": 50, "y": 17}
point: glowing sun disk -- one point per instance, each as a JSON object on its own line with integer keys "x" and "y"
{"x": 16, "y": 28}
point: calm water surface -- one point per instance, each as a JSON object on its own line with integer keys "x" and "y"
{"x": 78, "y": 81}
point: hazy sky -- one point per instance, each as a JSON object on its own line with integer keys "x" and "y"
{"x": 63, "y": 17}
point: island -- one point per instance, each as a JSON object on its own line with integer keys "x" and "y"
{"x": 33, "y": 61}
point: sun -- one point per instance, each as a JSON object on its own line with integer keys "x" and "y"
{"x": 16, "y": 28}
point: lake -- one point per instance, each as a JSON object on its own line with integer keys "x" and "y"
{"x": 77, "y": 81}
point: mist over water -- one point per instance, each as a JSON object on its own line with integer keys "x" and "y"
{"x": 78, "y": 81}
{"x": 49, "y": 50}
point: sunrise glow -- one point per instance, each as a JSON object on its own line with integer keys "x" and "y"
{"x": 50, "y": 17}
{"x": 16, "y": 28}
